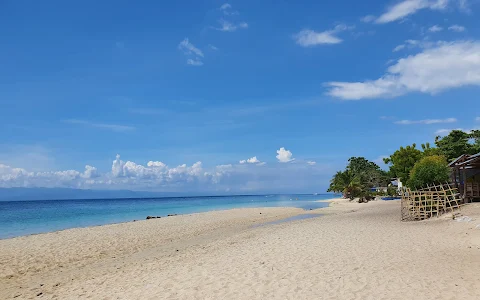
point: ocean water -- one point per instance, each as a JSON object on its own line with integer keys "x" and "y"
{"x": 19, "y": 218}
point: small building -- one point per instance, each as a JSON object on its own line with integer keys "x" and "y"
{"x": 466, "y": 176}
{"x": 379, "y": 189}
{"x": 396, "y": 182}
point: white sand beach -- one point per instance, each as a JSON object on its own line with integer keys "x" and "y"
{"x": 352, "y": 251}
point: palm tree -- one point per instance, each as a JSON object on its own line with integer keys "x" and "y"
{"x": 347, "y": 183}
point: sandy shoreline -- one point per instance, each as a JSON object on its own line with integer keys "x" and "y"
{"x": 353, "y": 251}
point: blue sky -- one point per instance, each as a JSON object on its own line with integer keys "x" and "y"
{"x": 221, "y": 82}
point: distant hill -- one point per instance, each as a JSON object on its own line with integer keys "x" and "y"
{"x": 16, "y": 194}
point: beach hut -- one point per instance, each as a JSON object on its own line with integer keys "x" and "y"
{"x": 466, "y": 176}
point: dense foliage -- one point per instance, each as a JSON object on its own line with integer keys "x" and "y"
{"x": 358, "y": 177}
{"x": 429, "y": 170}
{"x": 414, "y": 167}
{"x": 458, "y": 143}
{"x": 402, "y": 162}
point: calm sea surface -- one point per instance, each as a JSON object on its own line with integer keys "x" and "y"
{"x": 29, "y": 217}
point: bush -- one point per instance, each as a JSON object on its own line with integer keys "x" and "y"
{"x": 429, "y": 170}
{"x": 392, "y": 191}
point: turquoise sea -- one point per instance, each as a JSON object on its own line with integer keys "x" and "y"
{"x": 19, "y": 218}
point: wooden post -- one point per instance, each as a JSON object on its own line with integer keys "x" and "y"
{"x": 465, "y": 200}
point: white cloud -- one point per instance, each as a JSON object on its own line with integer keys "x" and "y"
{"x": 311, "y": 162}
{"x": 90, "y": 172}
{"x": 443, "y": 132}
{"x": 284, "y": 155}
{"x": 423, "y": 44}
{"x": 398, "y": 48}
{"x": 368, "y": 18}
{"x": 456, "y": 28}
{"x": 464, "y": 6}
{"x": 228, "y": 26}
{"x": 189, "y": 48}
{"x": 252, "y": 160}
{"x": 445, "y": 66}
{"x": 427, "y": 121}
{"x": 156, "y": 164}
{"x": 409, "y": 7}
{"x": 308, "y": 38}
{"x": 157, "y": 176}
{"x": 112, "y": 127}
{"x": 191, "y": 51}
{"x": 379, "y": 160}
{"x": 435, "y": 28}
{"x": 225, "y": 6}
{"x": 212, "y": 47}
{"x": 194, "y": 62}
{"x": 227, "y": 10}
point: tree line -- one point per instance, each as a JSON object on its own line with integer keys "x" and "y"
{"x": 415, "y": 167}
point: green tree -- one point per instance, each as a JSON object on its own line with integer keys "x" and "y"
{"x": 345, "y": 182}
{"x": 369, "y": 173}
{"x": 457, "y": 143}
{"x": 429, "y": 151}
{"x": 475, "y": 135}
{"x": 359, "y": 175}
{"x": 403, "y": 160}
{"x": 428, "y": 171}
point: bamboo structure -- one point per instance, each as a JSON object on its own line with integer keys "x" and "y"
{"x": 428, "y": 202}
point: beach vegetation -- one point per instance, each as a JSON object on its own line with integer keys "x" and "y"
{"x": 458, "y": 143}
{"x": 403, "y": 160}
{"x": 429, "y": 170}
{"x": 358, "y": 177}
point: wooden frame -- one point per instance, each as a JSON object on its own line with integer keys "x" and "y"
{"x": 431, "y": 201}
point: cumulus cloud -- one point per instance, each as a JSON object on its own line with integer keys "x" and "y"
{"x": 19, "y": 177}
{"x": 284, "y": 155}
{"x": 408, "y": 7}
{"x": 308, "y": 38}
{"x": 158, "y": 176}
{"x": 456, "y": 28}
{"x": 90, "y": 172}
{"x": 427, "y": 121}
{"x": 156, "y": 164}
{"x": 252, "y": 160}
{"x": 311, "y": 162}
{"x": 444, "y": 66}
